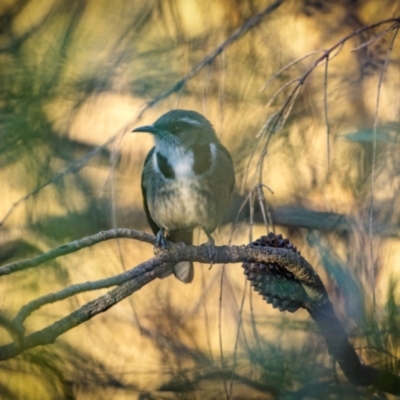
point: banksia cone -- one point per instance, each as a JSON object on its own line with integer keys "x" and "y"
{"x": 275, "y": 284}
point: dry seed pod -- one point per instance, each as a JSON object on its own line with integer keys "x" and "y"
{"x": 275, "y": 284}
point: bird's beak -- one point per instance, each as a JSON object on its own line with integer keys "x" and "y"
{"x": 146, "y": 128}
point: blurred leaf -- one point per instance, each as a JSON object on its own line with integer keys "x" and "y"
{"x": 367, "y": 136}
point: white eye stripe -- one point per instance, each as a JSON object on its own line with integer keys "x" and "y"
{"x": 190, "y": 121}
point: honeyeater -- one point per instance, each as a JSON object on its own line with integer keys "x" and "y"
{"x": 187, "y": 181}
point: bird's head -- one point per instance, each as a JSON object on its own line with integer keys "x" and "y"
{"x": 181, "y": 128}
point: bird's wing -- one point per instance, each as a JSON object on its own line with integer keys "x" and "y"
{"x": 154, "y": 227}
{"x": 228, "y": 159}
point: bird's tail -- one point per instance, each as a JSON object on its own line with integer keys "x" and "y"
{"x": 184, "y": 270}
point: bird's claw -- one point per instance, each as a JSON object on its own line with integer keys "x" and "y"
{"x": 211, "y": 245}
{"x": 161, "y": 243}
{"x": 210, "y": 242}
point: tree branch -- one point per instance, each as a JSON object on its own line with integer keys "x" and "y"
{"x": 89, "y": 310}
{"x": 75, "y": 246}
{"x": 283, "y": 257}
{"x": 132, "y": 280}
{"x": 343, "y": 352}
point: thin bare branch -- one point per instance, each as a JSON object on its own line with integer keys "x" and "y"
{"x": 237, "y": 339}
{"x": 259, "y": 137}
{"x": 287, "y": 66}
{"x": 268, "y": 188}
{"x": 281, "y": 116}
{"x": 279, "y": 120}
{"x": 337, "y": 46}
{"x": 72, "y": 290}
{"x": 244, "y": 28}
{"x": 75, "y": 246}
{"x": 328, "y": 130}
{"x": 264, "y": 208}
{"x": 251, "y": 219}
{"x": 103, "y": 303}
{"x": 221, "y": 90}
{"x": 206, "y": 86}
{"x": 221, "y": 349}
{"x": 280, "y": 90}
{"x": 375, "y": 38}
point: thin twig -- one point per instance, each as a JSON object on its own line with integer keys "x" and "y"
{"x": 287, "y": 66}
{"x": 221, "y": 349}
{"x": 204, "y": 291}
{"x": 259, "y": 137}
{"x": 283, "y": 113}
{"x": 328, "y": 155}
{"x": 375, "y": 38}
{"x": 264, "y": 207}
{"x": 251, "y": 217}
{"x": 278, "y": 120}
{"x": 280, "y": 90}
{"x": 241, "y": 208}
{"x": 253, "y": 322}
{"x": 72, "y": 290}
{"x": 221, "y": 91}
{"x": 76, "y": 245}
{"x": 206, "y": 85}
{"x": 244, "y": 28}
{"x": 237, "y": 340}
{"x": 179, "y": 96}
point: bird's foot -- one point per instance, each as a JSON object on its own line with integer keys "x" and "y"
{"x": 211, "y": 245}
{"x": 210, "y": 242}
{"x": 161, "y": 243}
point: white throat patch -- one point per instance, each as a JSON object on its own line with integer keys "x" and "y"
{"x": 179, "y": 160}
{"x": 183, "y": 166}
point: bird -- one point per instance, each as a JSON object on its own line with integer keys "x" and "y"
{"x": 187, "y": 181}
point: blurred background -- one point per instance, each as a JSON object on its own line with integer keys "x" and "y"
{"x": 79, "y": 74}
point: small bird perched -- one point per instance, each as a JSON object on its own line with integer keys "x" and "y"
{"x": 187, "y": 180}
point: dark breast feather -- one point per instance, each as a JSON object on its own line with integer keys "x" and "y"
{"x": 202, "y": 158}
{"x": 165, "y": 167}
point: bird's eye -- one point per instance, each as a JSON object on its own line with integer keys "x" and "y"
{"x": 177, "y": 128}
